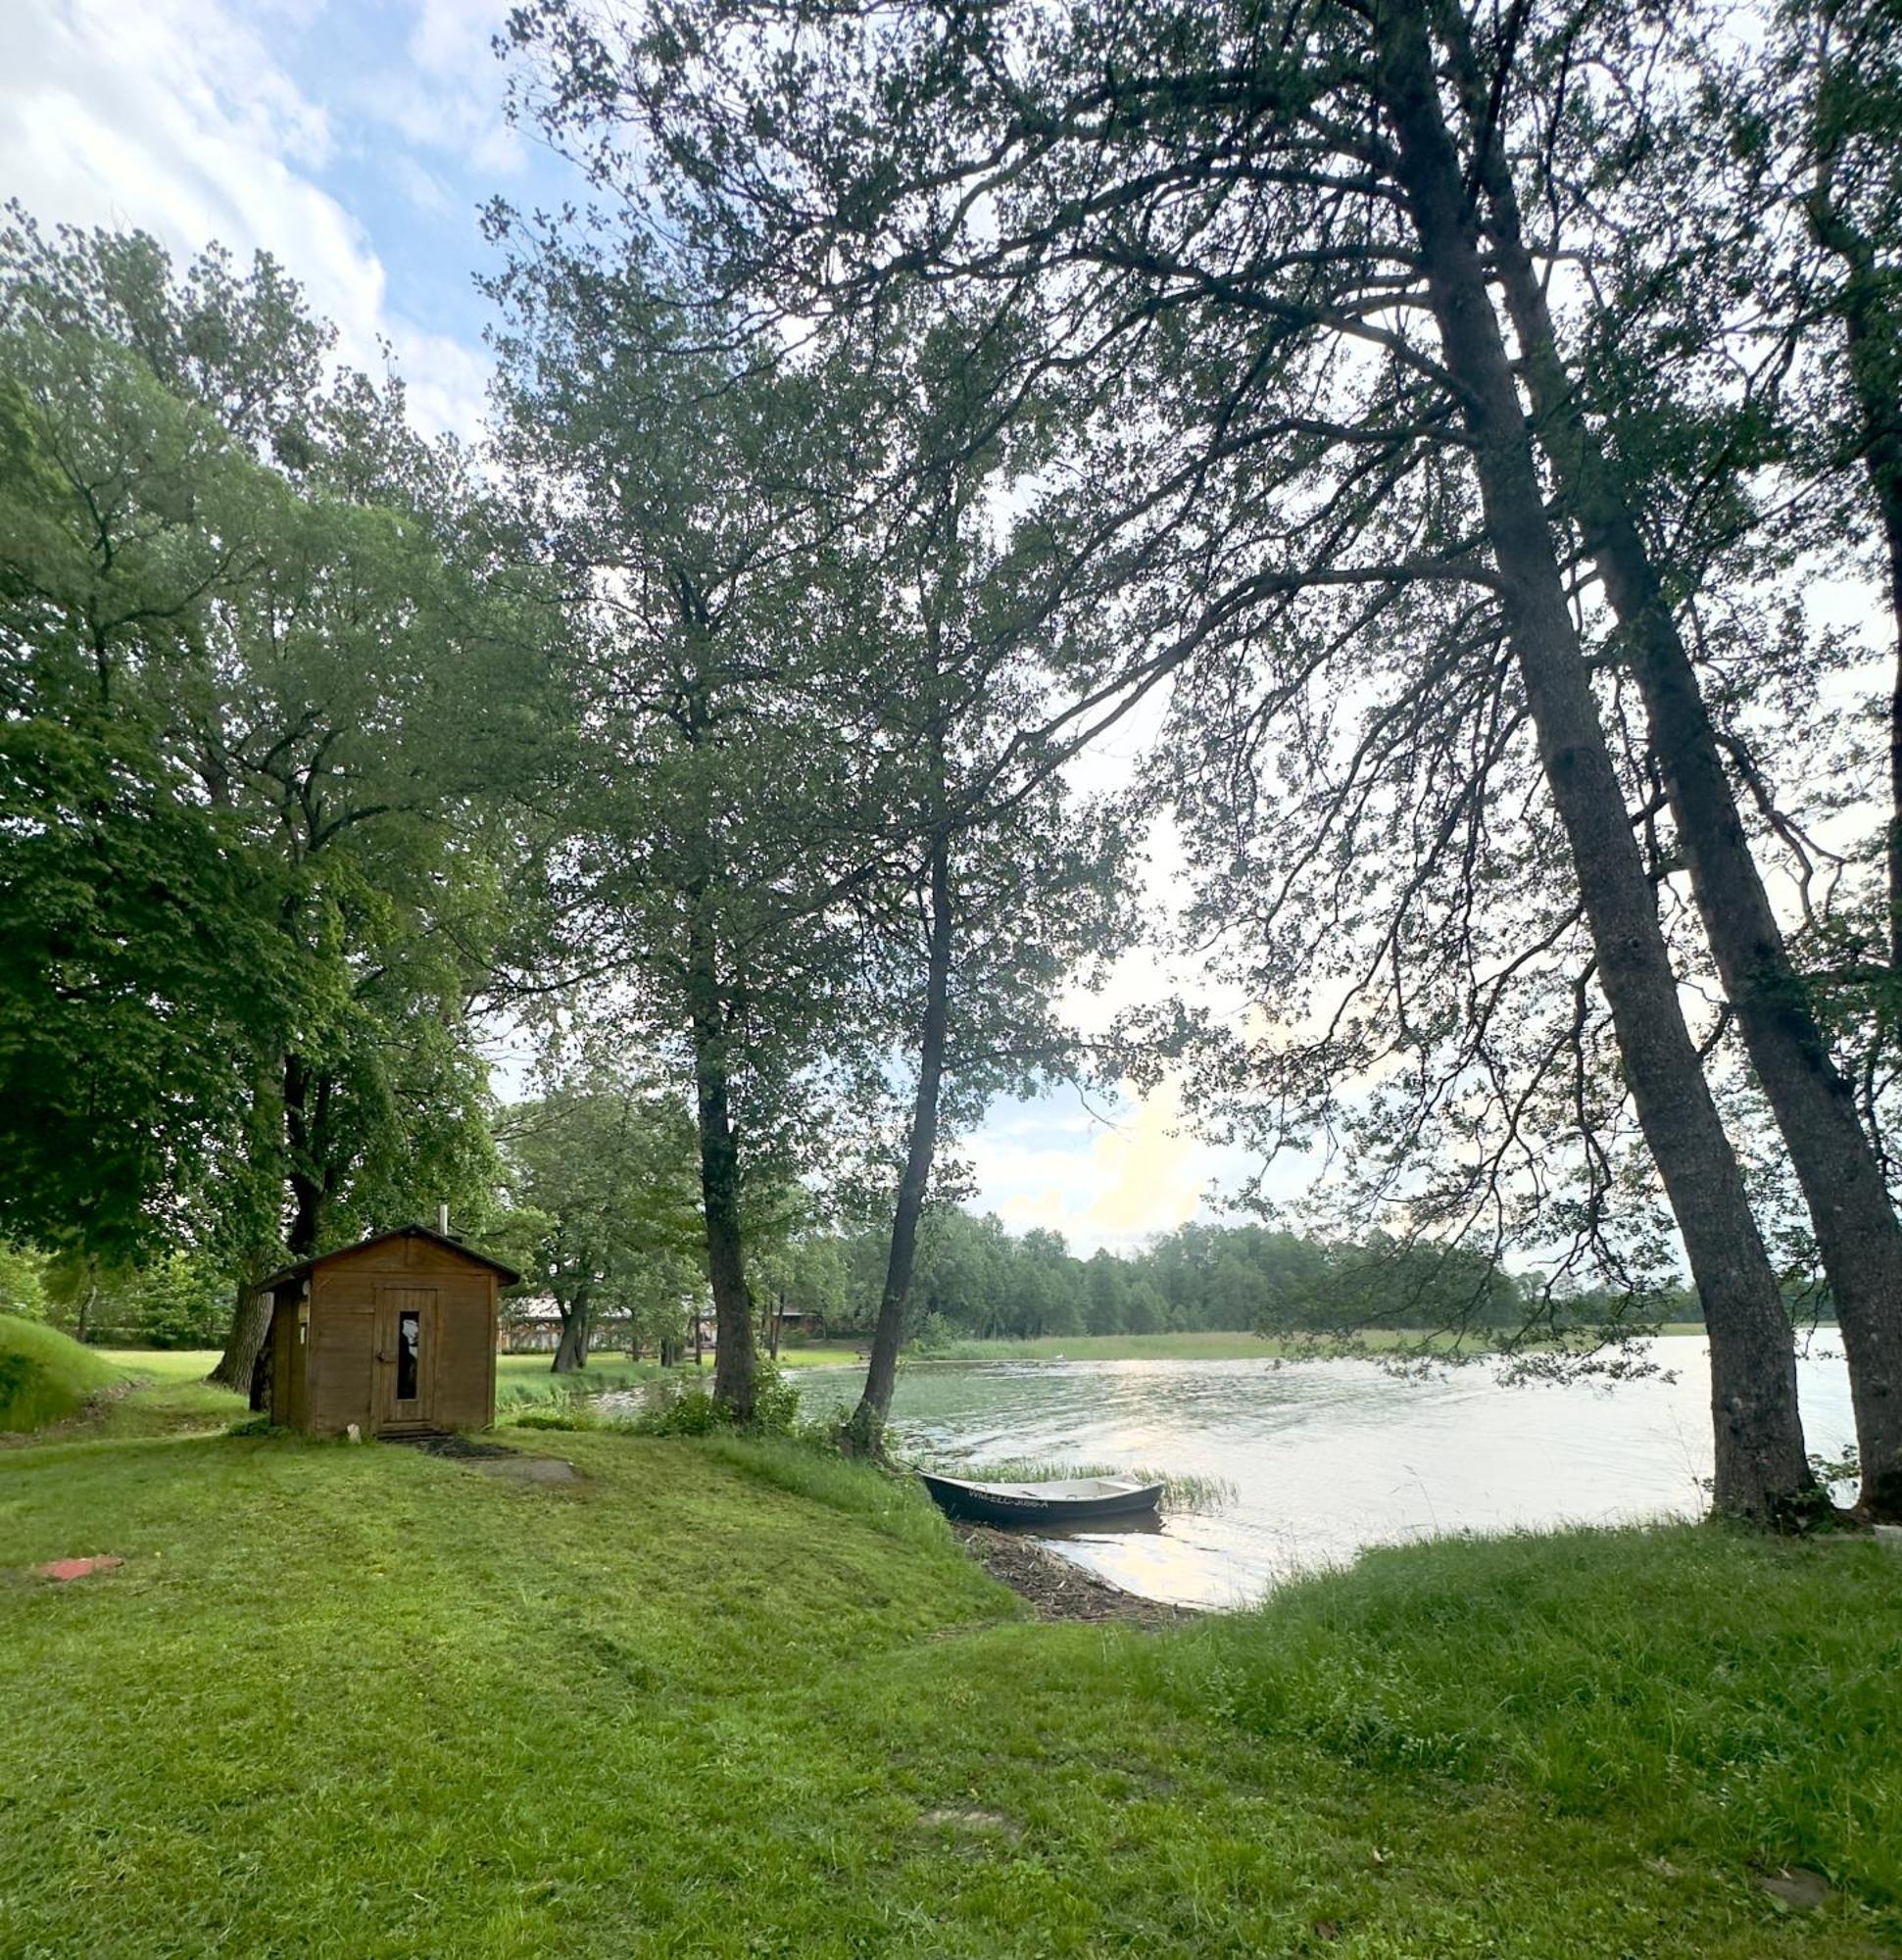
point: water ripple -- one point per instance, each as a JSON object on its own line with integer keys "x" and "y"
{"x": 1324, "y": 1457}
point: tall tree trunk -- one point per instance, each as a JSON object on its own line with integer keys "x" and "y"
{"x": 245, "y": 1364}
{"x": 571, "y": 1350}
{"x": 1872, "y": 341}
{"x": 244, "y": 1340}
{"x": 720, "y": 1186}
{"x": 301, "y": 1126}
{"x": 1832, "y": 1157}
{"x": 865, "y": 1429}
{"x": 1761, "y": 1471}
{"x": 82, "y": 1318}
{"x": 306, "y": 1095}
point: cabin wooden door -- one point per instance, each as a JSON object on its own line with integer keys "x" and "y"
{"x": 407, "y": 1327}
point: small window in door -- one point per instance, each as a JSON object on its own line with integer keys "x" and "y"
{"x": 409, "y": 1345}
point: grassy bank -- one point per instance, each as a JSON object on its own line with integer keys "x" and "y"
{"x": 45, "y": 1376}
{"x": 144, "y": 1394}
{"x": 1198, "y": 1347}
{"x": 523, "y": 1381}
{"x": 1057, "y": 1348}
{"x": 734, "y": 1698}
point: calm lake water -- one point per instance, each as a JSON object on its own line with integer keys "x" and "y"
{"x": 1323, "y": 1458}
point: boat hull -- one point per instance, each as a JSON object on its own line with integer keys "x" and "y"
{"x": 988, "y": 1504}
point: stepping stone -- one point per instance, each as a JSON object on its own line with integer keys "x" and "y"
{"x": 954, "y": 1817}
{"x": 64, "y": 1570}
{"x": 529, "y": 1469}
{"x": 1799, "y": 1890}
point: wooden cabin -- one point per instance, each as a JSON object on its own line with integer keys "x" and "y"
{"x": 396, "y": 1335}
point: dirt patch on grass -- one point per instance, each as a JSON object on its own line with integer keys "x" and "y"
{"x": 452, "y": 1444}
{"x": 532, "y": 1470}
{"x": 1057, "y": 1589}
{"x": 85, "y": 1421}
{"x": 970, "y": 1823}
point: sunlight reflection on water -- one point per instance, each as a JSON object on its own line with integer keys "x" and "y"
{"x": 1323, "y": 1458}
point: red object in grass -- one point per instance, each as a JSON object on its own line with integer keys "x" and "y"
{"x": 64, "y": 1569}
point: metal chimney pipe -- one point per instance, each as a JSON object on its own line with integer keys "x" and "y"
{"x": 442, "y": 1218}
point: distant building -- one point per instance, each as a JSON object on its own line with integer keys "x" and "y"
{"x": 530, "y": 1326}
{"x": 533, "y": 1326}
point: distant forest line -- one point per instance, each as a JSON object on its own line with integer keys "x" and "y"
{"x": 979, "y": 1281}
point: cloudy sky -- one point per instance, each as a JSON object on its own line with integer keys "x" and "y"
{"x": 355, "y": 140}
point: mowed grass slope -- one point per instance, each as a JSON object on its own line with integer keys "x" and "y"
{"x": 155, "y": 1392}
{"x": 45, "y": 1376}
{"x": 738, "y": 1698}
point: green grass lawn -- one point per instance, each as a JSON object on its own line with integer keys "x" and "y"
{"x": 167, "y": 1395}
{"x": 524, "y": 1379}
{"x": 164, "y": 1364}
{"x": 737, "y": 1698}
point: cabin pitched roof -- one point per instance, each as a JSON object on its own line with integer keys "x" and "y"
{"x": 508, "y": 1275}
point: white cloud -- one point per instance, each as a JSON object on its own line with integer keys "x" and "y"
{"x": 422, "y": 187}
{"x": 1153, "y": 1176}
{"x": 175, "y": 119}
{"x": 1099, "y": 1184}
{"x": 447, "y": 379}
{"x": 450, "y": 96}
{"x": 456, "y": 36}
{"x": 458, "y": 122}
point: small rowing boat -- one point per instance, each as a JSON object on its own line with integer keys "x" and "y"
{"x": 1064, "y": 1502}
